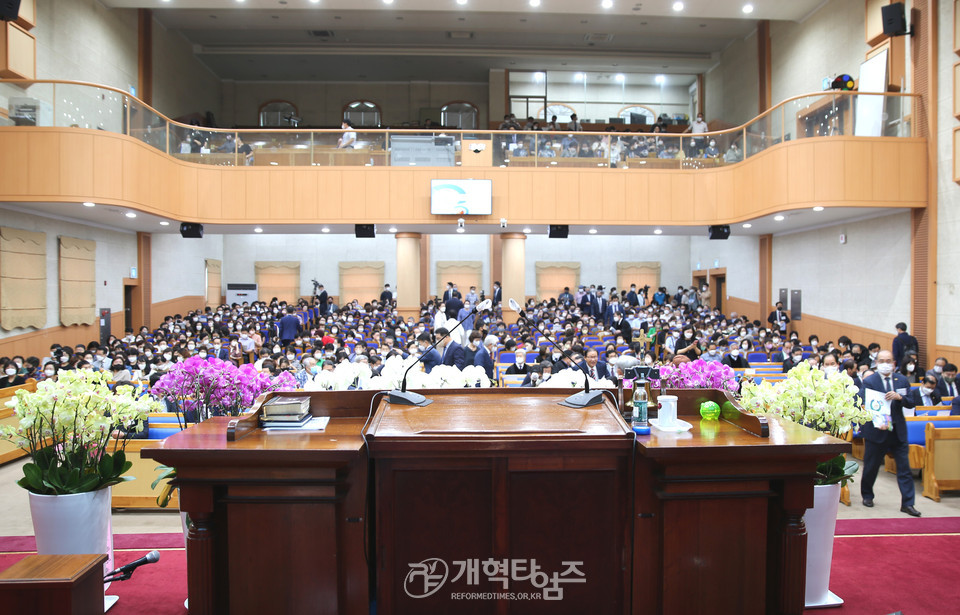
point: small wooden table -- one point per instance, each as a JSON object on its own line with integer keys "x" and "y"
{"x": 54, "y": 584}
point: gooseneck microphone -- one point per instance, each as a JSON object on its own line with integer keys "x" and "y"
{"x": 583, "y": 399}
{"x": 404, "y": 397}
{"x": 123, "y": 572}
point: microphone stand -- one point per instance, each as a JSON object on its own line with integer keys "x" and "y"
{"x": 404, "y": 397}
{"x": 583, "y": 399}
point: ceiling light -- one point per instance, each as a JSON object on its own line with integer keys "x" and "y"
{"x": 164, "y": 223}
{"x": 461, "y": 229}
{"x": 592, "y": 231}
{"x": 539, "y": 77}
{"x": 678, "y": 6}
{"x": 325, "y": 230}
{"x": 607, "y": 4}
{"x": 779, "y": 218}
{"x": 388, "y": 1}
{"x": 89, "y": 204}
{"x": 580, "y": 77}
{"x": 818, "y": 208}
{"x": 393, "y": 229}
{"x": 527, "y": 230}
{"x": 534, "y": 3}
{"x": 660, "y": 79}
{"x": 747, "y": 8}
{"x": 747, "y": 225}
{"x": 461, "y": 2}
{"x": 130, "y": 214}
{"x": 657, "y": 231}
{"x": 258, "y": 230}
{"x": 314, "y": 1}
{"x": 620, "y": 78}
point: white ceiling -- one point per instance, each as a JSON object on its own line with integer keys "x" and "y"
{"x": 275, "y": 40}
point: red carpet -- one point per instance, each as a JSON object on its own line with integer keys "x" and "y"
{"x": 167, "y": 540}
{"x": 899, "y": 525}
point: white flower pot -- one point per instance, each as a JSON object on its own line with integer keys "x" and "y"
{"x": 74, "y": 524}
{"x": 821, "y": 523}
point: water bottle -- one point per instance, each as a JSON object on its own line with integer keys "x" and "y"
{"x": 640, "y": 404}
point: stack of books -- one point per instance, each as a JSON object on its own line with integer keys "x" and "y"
{"x": 282, "y": 411}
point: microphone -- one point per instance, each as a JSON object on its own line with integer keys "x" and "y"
{"x": 404, "y": 397}
{"x": 123, "y": 572}
{"x": 584, "y": 398}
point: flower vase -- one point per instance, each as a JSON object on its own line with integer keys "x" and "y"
{"x": 821, "y": 523}
{"x": 76, "y": 523}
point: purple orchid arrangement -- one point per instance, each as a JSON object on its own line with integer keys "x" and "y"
{"x": 697, "y": 374}
{"x": 200, "y": 388}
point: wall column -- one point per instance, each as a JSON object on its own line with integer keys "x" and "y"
{"x": 145, "y": 55}
{"x": 408, "y": 274}
{"x": 763, "y": 56}
{"x": 513, "y": 282}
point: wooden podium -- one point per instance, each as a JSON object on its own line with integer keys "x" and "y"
{"x": 497, "y": 501}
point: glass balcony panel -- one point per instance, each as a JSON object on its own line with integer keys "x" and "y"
{"x": 148, "y": 126}
{"x": 84, "y": 106}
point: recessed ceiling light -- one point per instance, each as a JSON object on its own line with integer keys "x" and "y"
{"x": 130, "y": 214}
{"x": 164, "y": 223}
{"x": 314, "y": 1}
{"x": 747, "y": 225}
{"x": 388, "y": 1}
{"x": 660, "y": 79}
{"x": 657, "y": 231}
{"x": 258, "y": 230}
{"x": 527, "y": 230}
{"x": 325, "y": 230}
{"x": 779, "y": 218}
{"x": 747, "y": 8}
{"x": 534, "y": 3}
{"x": 818, "y": 208}
{"x": 592, "y": 231}
{"x": 461, "y": 2}
{"x": 678, "y": 6}
{"x": 393, "y": 229}
{"x": 89, "y": 204}
{"x": 607, "y": 4}
{"x": 461, "y": 229}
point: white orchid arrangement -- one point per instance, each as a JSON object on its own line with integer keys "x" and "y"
{"x": 347, "y": 376}
{"x": 571, "y": 378}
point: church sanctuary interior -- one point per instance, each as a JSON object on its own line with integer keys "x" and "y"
{"x": 480, "y": 306}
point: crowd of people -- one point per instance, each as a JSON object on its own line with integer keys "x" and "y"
{"x": 593, "y": 325}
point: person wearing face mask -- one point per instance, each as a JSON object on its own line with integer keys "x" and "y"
{"x": 165, "y": 362}
{"x": 926, "y": 394}
{"x": 937, "y": 370}
{"x": 829, "y": 365}
{"x": 50, "y": 371}
{"x": 10, "y": 377}
{"x": 712, "y": 354}
{"x": 735, "y": 358}
{"x": 430, "y": 356}
{"x": 520, "y": 365}
{"x": 451, "y": 353}
{"x": 793, "y": 360}
{"x": 908, "y": 367}
{"x": 947, "y": 384}
{"x": 878, "y": 442}
{"x": 118, "y": 371}
{"x": 688, "y": 345}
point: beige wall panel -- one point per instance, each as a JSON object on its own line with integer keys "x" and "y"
{"x": 828, "y": 168}
{"x": 682, "y": 190}
{"x": 544, "y": 187}
{"x": 233, "y": 195}
{"x": 859, "y": 180}
{"x": 186, "y": 194}
{"x": 13, "y": 162}
{"x": 330, "y": 191}
{"x": 353, "y": 203}
{"x": 135, "y": 172}
{"x": 613, "y": 188}
{"x": 19, "y": 57}
{"x": 258, "y": 192}
{"x": 913, "y": 181}
{"x": 108, "y": 170}
{"x": 705, "y": 196}
{"x": 568, "y": 195}
{"x": 281, "y": 197}
{"x": 402, "y": 197}
{"x": 637, "y": 187}
{"x": 306, "y": 196}
{"x": 776, "y": 168}
{"x": 800, "y": 186}
{"x": 377, "y": 195}
{"x": 884, "y": 159}
{"x": 27, "y": 15}
{"x": 520, "y": 200}
{"x": 43, "y": 164}
{"x": 726, "y": 196}
{"x": 660, "y": 193}
{"x": 209, "y": 192}
{"x": 76, "y": 169}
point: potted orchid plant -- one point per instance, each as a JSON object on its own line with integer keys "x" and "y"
{"x": 697, "y": 374}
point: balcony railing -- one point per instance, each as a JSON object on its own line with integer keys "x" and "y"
{"x": 824, "y": 114}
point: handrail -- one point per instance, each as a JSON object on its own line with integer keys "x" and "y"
{"x": 315, "y": 145}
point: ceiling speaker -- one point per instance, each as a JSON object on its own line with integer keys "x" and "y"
{"x": 559, "y": 231}
{"x": 894, "y": 19}
{"x": 365, "y": 231}
{"x": 191, "y": 230}
{"x": 720, "y": 231}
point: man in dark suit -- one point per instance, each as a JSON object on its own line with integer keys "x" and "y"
{"x": 778, "y": 319}
{"x": 451, "y": 353}
{"x": 497, "y": 293}
{"x": 600, "y": 304}
{"x": 878, "y": 442}
{"x": 538, "y": 375}
{"x": 947, "y": 384}
{"x": 448, "y": 292}
{"x": 520, "y": 365}
{"x": 622, "y": 326}
{"x": 289, "y": 327}
{"x": 430, "y": 356}
{"x": 632, "y": 297}
{"x": 483, "y": 357}
{"x": 452, "y": 306}
{"x": 903, "y": 343}
{"x": 595, "y": 367}
{"x": 926, "y": 394}
{"x": 322, "y": 300}
{"x": 613, "y": 308}
{"x": 386, "y": 297}
{"x": 588, "y": 303}
{"x": 955, "y": 407}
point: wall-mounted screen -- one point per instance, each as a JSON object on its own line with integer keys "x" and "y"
{"x": 461, "y": 197}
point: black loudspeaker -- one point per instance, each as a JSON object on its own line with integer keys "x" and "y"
{"x": 365, "y": 231}
{"x": 720, "y": 231}
{"x": 191, "y": 230}
{"x": 894, "y": 19}
{"x": 559, "y": 231}
{"x": 9, "y": 9}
